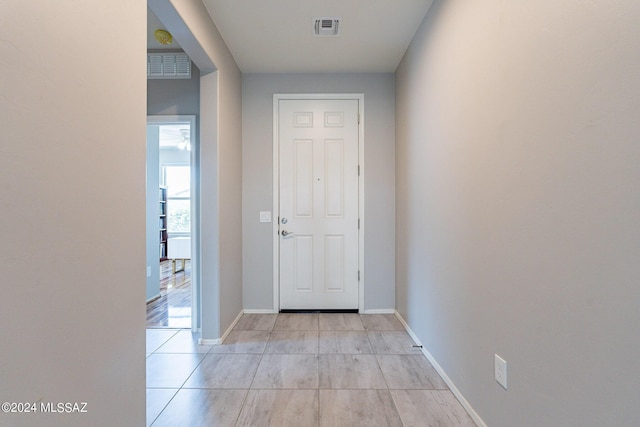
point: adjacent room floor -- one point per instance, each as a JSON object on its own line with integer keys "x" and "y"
{"x": 173, "y": 308}
{"x": 297, "y": 370}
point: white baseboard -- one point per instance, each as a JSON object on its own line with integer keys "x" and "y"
{"x": 231, "y": 326}
{"x": 377, "y": 311}
{"x": 252, "y": 311}
{"x": 465, "y": 404}
{"x": 220, "y": 340}
{"x": 380, "y": 311}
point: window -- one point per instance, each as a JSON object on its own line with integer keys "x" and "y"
{"x": 177, "y": 179}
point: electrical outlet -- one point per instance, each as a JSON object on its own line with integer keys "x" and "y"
{"x": 500, "y": 371}
{"x": 148, "y": 271}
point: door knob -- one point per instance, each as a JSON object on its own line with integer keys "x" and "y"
{"x": 286, "y": 233}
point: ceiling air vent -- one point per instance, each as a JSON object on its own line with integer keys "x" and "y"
{"x": 168, "y": 66}
{"x": 326, "y": 26}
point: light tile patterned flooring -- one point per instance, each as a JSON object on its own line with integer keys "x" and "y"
{"x": 297, "y": 370}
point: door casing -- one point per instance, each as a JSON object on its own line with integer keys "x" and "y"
{"x": 276, "y": 186}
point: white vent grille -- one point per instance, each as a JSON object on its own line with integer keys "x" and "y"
{"x": 168, "y": 66}
{"x": 326, "y": 26}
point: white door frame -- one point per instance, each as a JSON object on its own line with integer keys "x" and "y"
{"x": 195, "y": 217}
{"x": 276, "y": 186}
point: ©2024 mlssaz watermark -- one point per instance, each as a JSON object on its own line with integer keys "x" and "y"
{"x": 45, "y": 407}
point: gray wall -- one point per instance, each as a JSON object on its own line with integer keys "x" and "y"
{"x": 174, "y": 96}
{"x": 72, "y": 161}
{"x": 257, "y": 110}
{"x": 153, "y": 211}
{"x": 518, "y": 205}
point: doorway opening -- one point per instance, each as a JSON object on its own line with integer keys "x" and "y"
{"x": 172, "y": 222}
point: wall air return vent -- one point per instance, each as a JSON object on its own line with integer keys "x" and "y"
{"x": 168, "y": 66}
{"x": 326, "y": 26}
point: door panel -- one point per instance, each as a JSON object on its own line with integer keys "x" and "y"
{"x": 334, "y": 181}
{"x": 303, "y": 178}
{"x": 334, "y": 263}
{"x": 303, "y": 263}
{"x": 318, "y": 159}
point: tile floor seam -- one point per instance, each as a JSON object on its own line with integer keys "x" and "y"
{"x": 382, "y": 372}
{"x": 319, "y": 411}
{"x": 244, "y": 401}
{"x": 373, "y": 350}
{"x": 283, "y": 388}
{"x": 256, "y": 371}
{"x": 165, "y": 407}
{"x": 395, "y": 405}
{"x": 166, "y": 341}
{"x": 192, "y": 372}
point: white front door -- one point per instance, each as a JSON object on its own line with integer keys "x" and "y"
{"x": 318, "y": 176}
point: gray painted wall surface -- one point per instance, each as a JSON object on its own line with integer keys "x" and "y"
{"x": 518, "y": 205}
{"x": 174, "y": 96}
{"x": 153, "y": 211}
{"x": 257, "y": 108}
{"x": 73, "y": 213}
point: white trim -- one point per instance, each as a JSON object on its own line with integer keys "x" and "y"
{"x": 275, "y": 220}
{"x": 380, "y": 311}
{"x": 231, "y": 326}
{"x": 465, "y": 404}
{"x": 361, "y": 216}
{"x": 276, "y": 185}
{"x": 219, "y": 341}
{"x": 252, "y": 311}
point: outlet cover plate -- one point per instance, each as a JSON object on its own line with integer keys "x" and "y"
{"x": 500, "y": 371}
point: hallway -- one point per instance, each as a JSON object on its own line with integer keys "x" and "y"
{"x": 299, "y": 370}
